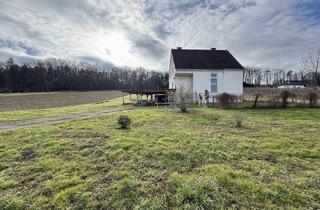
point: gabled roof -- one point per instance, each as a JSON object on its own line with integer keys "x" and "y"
{"x": 204, "y": 59}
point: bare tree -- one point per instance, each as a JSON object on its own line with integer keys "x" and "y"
{"x": 311, "y": 64}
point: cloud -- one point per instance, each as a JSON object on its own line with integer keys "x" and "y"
{"x": 94, "y": 60}
{"x": 14, "y": 49}
{"x": 141, "y": 32}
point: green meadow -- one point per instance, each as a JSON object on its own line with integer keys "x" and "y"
{"x": 166, "y": 160}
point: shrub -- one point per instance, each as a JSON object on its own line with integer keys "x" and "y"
{"x": 299, "y": 96}
{"x": 284, "y": 95}
{"x": 238, "y": 120}
{"x": 124, "y": 122}
{"x": 225, "y": 100}
{"x": 184, "y": 99}
{"x": 312, "y": 98}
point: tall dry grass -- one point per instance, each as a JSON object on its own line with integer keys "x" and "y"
{"x": 272, "y": 96}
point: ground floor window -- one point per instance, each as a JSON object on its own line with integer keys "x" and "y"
{"x": 214, "y": 83}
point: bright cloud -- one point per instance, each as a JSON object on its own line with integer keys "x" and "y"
{"x": 141, "y": 32}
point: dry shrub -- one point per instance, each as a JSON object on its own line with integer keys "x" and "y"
{"x": 273, "y": 100}
{"x": 184, "y": 99}
{"x": 238, "y": 120}
{"x": 293, "y": 96}
{"x": 274, "y": 96}
{"x": 312, "y": 98}
{"x": 225, "y": 100}
{"x": 284, "y": 96}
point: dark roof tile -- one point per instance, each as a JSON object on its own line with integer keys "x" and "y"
{"x": 204, "y": 59}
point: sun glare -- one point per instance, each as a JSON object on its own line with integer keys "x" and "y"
{"x": 114, "y": 47}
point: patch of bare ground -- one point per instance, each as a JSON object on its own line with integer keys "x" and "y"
{"x": 11, "y": 102}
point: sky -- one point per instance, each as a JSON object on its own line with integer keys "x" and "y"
{"x": 140, "y": 33}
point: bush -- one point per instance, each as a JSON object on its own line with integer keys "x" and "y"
{"x": 124, "y": 122}
{"x": 284, "y": 95}
{"x": 225, "y": 100}
{"x": 238, "y": 120}
{"x": 272, "y": 96}
{"x": 184, "y": 99}
{"x": 312, "y": 98}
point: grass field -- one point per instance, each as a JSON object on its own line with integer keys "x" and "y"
{"x": 24, "y": 101}
{"x": 167, "y": 160}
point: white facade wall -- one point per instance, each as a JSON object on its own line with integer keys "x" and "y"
{"x": 233, "y": 82}
{"x": 229, "y": 81}
{"x": 172, "y": 73}
{"x": 202, "y": 81}
{"x": 184, "y": 81}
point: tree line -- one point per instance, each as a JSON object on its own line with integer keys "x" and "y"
{"x": 62, "y": 75}
{"x": 310, "y": 72}
{"x": 268, "y": 76}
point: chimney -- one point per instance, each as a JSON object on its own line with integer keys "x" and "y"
{"x": 213, "y": 49}
{"x": 179, "y": 48}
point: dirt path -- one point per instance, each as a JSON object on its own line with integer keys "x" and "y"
{"x": 55, "y": 120}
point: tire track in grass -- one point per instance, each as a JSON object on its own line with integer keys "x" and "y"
{"x": 55, "y": 120}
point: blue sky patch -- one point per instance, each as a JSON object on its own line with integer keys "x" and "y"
{"x": 20, "y": 47}
{"x": 311, "y": 9}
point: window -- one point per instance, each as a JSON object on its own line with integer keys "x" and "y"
{"x": 214, "y": 83}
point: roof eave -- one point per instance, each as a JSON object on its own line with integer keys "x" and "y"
{"x": 186, "y": 69}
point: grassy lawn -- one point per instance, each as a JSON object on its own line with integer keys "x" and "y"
{"x": 167, "y": 160}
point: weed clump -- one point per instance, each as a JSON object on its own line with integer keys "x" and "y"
{"x": 28, "y": 154}
{"x": 192, "y": 193}
{"x": 124, "y": 122}
{"x": 238, "y": 120}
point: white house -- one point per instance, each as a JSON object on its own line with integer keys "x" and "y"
{"x": 198, "y": 70}
{"x": 295, "y": 84}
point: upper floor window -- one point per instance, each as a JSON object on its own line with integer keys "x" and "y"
{"x": 214, "y": 83}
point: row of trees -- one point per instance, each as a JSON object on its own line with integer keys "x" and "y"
{"x": 57, "y": 75}
{"x": 61, "y": 75}
{"x": 268, "y": 76}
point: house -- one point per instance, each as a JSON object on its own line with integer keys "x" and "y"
{"x": 198, "y": 70}
{"x": 295, "y": 84}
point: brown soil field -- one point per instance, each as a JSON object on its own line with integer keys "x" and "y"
{"x": 11, "y": 102}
